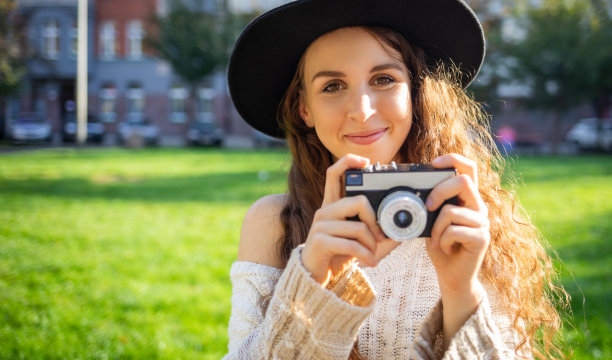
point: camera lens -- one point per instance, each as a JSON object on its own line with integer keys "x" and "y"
{"x": 402, "y": 219}
{"x": 402, "y": 215}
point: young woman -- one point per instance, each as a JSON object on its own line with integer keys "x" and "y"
{"x": 350, "y": 83}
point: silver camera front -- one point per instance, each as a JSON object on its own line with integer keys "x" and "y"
{"x": 402, "y": 216}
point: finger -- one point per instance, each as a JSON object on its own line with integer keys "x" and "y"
{"x": 461, "y": 186}
{"x": 332, "y": 246}
{"x": 351, "y": 230}
{"x": 333, "y": 176}
{"x": 350, "y": 207}
{"x": 455, "y": 215}
{"x": 455, "y": 237}
{"x": 459, "y": 162}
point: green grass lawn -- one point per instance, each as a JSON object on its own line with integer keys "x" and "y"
{"x": 108, "y": 253}
{"x": 570, "y": 200}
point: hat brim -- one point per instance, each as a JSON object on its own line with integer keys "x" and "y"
{"x": 265, "y": 56}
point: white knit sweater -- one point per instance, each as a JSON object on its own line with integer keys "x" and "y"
{"x": 392, "y": 309}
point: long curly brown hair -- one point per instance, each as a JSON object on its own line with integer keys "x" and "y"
{"x": 445, "y": 120}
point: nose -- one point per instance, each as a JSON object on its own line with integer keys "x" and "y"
{"x": 360, "y": 106}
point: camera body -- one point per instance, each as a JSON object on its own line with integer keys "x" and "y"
{"x": 397, "y": 193}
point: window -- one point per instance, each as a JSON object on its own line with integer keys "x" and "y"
{"x": 135, "y": 100}
{"x": 178, "y": 97}
{"x": 108, "y": 98}
{"x": 51, "y": 39}
{"x": 134, "y": 39}
{"x": 108, "y": 40}
{"x": 74, "y": 45}
{"x": 205, "y": 104}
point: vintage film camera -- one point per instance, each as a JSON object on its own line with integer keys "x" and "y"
{"x": 397, "y": 193}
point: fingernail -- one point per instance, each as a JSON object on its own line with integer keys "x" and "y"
{"x": 436, "y": 160}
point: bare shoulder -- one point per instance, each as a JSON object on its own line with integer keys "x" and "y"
{"x": 261, "y": 231}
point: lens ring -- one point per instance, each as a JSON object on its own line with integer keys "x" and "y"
{"x": 402, "y": 201}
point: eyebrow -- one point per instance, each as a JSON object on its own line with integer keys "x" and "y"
{"x": 331, "y": 73}
{"x": 327, "y": 73}
{"x": 395, "y": 66}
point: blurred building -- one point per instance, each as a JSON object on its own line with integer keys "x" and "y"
{"x": 51, "y": 33}
{"x": 126, "y": 82}
{"x": 131, "y": 85}
{"x": 249, "y": 6}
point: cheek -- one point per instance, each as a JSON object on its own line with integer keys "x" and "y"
{"x": 397, "y": 107}
{"x": 404, "y": 101}
{"x": 328, "y": 115}
{"x": 399, "y": 96}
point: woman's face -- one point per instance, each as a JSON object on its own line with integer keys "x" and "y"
{"x": 356, "y": 94}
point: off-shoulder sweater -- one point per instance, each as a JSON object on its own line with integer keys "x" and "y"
{"x": 393, "y": 310}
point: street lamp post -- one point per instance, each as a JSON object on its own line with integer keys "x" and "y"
{"x": 81, "y": 84}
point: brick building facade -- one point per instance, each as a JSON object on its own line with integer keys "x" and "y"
{"x": 126, "y": 82}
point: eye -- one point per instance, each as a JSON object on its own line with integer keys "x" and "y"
{"x": 383, "y": 80}
{"x": 332, "y": 87}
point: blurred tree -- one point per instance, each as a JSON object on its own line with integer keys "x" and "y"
{"x": 11, "y": 58}
{"x": 597, "y": 78}
{"x": 491, "y": 15}
{"x": 563, "y": 55}
{"x": 195, "y": 37}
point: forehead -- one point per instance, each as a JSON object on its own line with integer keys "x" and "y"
{"x": 347, "y": 47}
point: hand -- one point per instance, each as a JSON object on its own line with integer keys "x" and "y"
{"x": 333, "y": 241}
{"x": 459, "y": 240}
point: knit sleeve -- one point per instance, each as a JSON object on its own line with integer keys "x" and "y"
{"x": 301, "y": 320}
{"x": 478, "y": 338}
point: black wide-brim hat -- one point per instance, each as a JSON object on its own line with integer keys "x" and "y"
{"x": 266, "y": 54}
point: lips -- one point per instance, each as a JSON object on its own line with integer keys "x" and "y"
{"x": 366, "y": 137}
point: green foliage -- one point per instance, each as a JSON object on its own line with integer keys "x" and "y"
{"x": 596, "y": 81}
{"x": 11, "y": 62}
{"x": 11, "y": 72}
{"x": 126, "y": 254}
{"x": 194, "y": 39}
{"x": 565, "y": 54}
{"x": 484, "y": 87}
{"x": 187, "y": 37}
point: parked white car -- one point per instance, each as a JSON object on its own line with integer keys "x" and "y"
{"x": 30, "y": 127}
{"x": 585, "y": 134}
{"x": 204, "y": 133}
{"x": 139, "y": 126}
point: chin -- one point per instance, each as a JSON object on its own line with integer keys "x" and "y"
{"x": 383, "y": 157}
{"x": 377, "y": 157}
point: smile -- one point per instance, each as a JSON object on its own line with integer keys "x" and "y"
{"x": 366, "y": 137}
